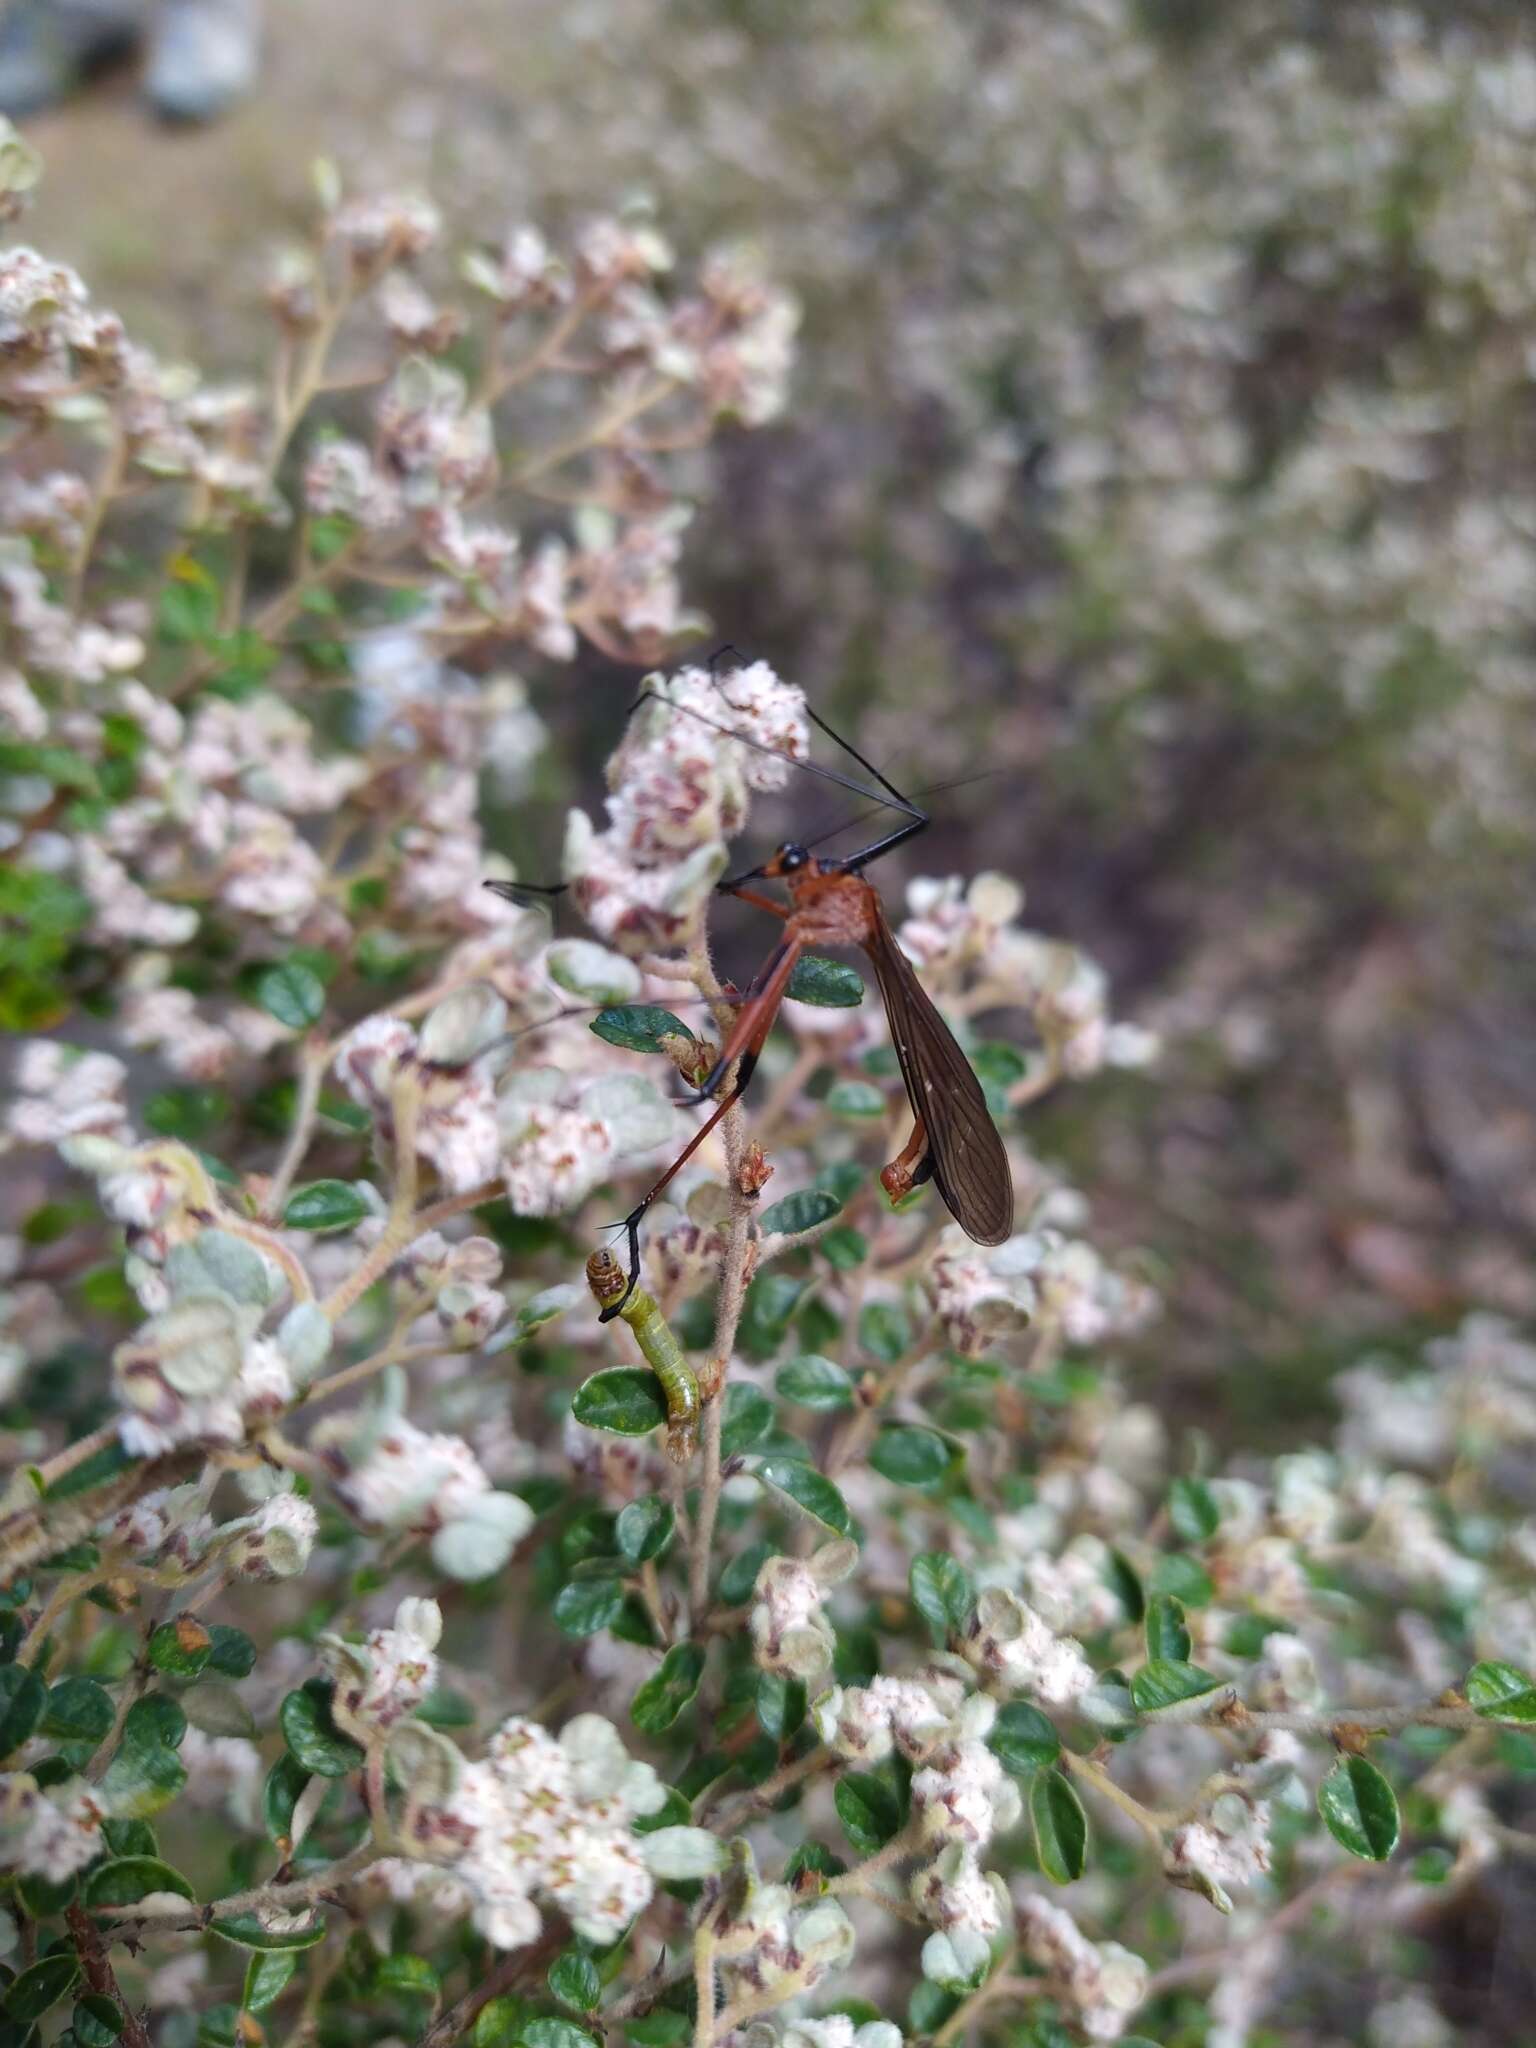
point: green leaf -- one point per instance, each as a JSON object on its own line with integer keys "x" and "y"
{"x": 233, "y": 1654}
{"x": 1060, "y": 1825}
{"x": 91, "y": 1472}
{"x": 659, "y": 2029}
{"x": 1193, "y": 1511}
{"x": 325, "y": 1205}
{"x": 97, "y": 2020}
{"x": 814, "y": 1382}
{"x": 1124, "y": 1584}
{"x": 285, "y": 1781}
{"x": 668, "y": 1690}
{"x": 800, "y": 1212}
{"x": 180, "y": 1649}
{"x": 587, "y": 1606}
{"x": 809, "y": 1491}
{"x": 219, "y": 2027}
{"x": 748, "y": 1416}
{"x": 831, "y": 983}
{"x": 127, "y": 1879}
{"x": 1501, "y": 1692}
{"x": 868, "y": 1809}
{"x": 245, "y": 1930}
{"x": 23, "y": 1702}
{"x": 499, "y": 2024}
{"x": 627, "y": 1400}
{"x": 771, "y": 1301}
{"x": 780, "y": 1705}
{"x": 1167, "y": 1637}
{"x": 856, "y": 1099}
{"x": 154, "y": 1722}
{"x": 142, "y": 1778}
{"x": 554, "y": 2033}
{"x": 739, "y": 1574}
{"x": 314, "y": 1741}
{"x": 942, "y": 1592}
{"x": 1168, "y": 1682}
{"x": 129, "y": 1837}
{"x": 293, "y": 994}
{"x": 644, "y": 1528}
{"x": 844, "y": 1248}
{"x": 407, "y": 1976}
{"x": 1184, "y": 1578}
{"x": 1023, "y": 1739}
{"x": 1359, "y": 1809}
{"x": 267, "y": 1977}
{"x": 78, "y": 1710}
{"x": 910, "y": 1456}
{"x": 638, "y": 1027}
{"x": 573, "y": 1979}
{"x": 29, "y": 1996}
{"x": 884, "y": 1330}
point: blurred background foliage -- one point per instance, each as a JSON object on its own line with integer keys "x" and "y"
{"x": 1161, "y": 443}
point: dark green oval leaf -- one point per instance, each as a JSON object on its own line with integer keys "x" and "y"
{"x": 1192, "y": 1510}
{"x": 644, "y": 1529}
{"x": 748, "y": 1416}
{"x": 800, "y": 1212}
{"x": 267, "y": 1977}
{"x": 180, "y": 1649}
{"x": 668, "y": 1690}
{"x": 626, "y": 1401}
{"x": 1168, "y": 1682}
{"x": 1060, "y": 1825}
{"x": 245, "y": 1930}
{"x": 587, "y": 1606}
{"x": 884, "y": 1330}
{"x": 1501, "y": 1692}
{"x": 910, "y": 1456}
{"x": 808, "y": 1490}
{"x": 831, "y": 983}
{"x": 1359, "y": 1809}
{"x": 942, "y": 1592}
{"x": 23, "y": 1701}
{"x": 868, "y": 1809}
{"x": 814, "y": 1382}
{"x": 127, "y": 1879}
{"x": 1167, "y": 1637}
{"x": 325, "y": 1205}
{"x": 78, "y": 1710}
{"x": 29, "y": 1996}
{"x": 573, "y": 1979}
{"x": 97, "y": 2020}
{"x": 293, "y": 994}
{"x": 638, "y": 1027}
{"x": 314, "y": 1741}
{"x": 1023, "y": 1739}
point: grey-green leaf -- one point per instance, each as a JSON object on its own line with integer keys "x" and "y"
{"x": 1501, "y": 1692}
{"x": 293, "y": 994}
{"x": 800, "y": 1212}
{"x": 325, "y": 1205}
{"x": 1023, "y": 1739}
{"x": 809, "y": 1490}
{"x": 638, "y": 1027}
{"x": 942, "y": 1592}
{"x": 814, "y": 1382}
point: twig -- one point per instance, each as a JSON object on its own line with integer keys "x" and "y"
{"x": 97, "y": 1968}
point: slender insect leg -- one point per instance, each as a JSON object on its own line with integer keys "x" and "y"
{"x": 912, "y": 1165}
{"x": 758, "y": 1017}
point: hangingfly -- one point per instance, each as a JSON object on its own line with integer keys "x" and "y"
{"x": 954, "y": 1142}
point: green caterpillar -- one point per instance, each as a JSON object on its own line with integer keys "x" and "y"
{"x": 658, "y": 1347}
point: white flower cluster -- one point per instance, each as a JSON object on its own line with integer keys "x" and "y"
{"x": 1041, "y": 1276}
{"x": 553, "y": 1819}
{"x": 1230, "y": 1846}
{"x": 837, "y": 2030}
{"x": 392, "y": 1475}
{"x": 961, "y": 1797}
{"x": 773, "y": 1948}
{"x": 49, "y": 1834}
{"x": 959, "y": 933}
{"x": 389, "y": 1674}
{"x": 1009, "y": 1643}
{"x": 681, "y": 782}
{"x": 1104, "y": 1981}
{"x": 790, "y": 1634}
{"x": 62, "y": 1093}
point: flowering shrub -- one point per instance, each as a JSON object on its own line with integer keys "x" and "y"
{"x": 382, "y": 1662}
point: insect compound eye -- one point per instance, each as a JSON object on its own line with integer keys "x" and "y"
{"x": 791, "y": 857}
